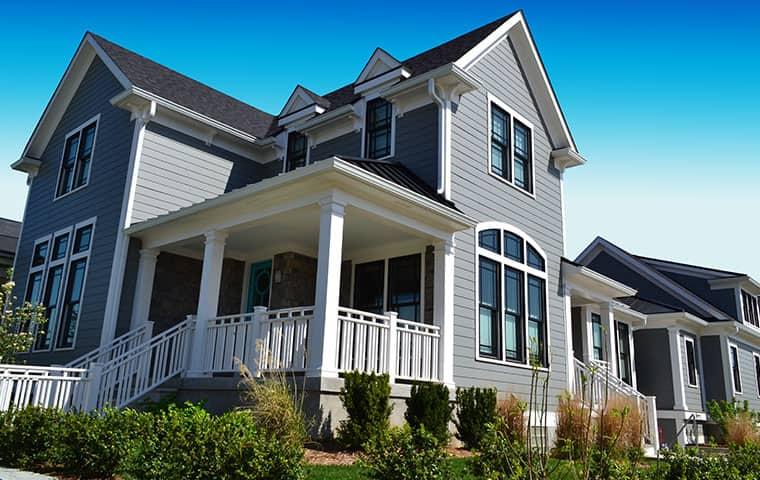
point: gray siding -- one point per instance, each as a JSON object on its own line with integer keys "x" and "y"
{"x": 712, "y": 364}
{"x": 486, "y": 198}
{"x": 653, "y": 369}
{"x": 101, "y": 198}
{"x": 692, "y": 395}
{"x": 177, "y": 170}
{"x": 417, "y": 142}
{"x": 748, "y": 375}
{"x": 349, "y": 145}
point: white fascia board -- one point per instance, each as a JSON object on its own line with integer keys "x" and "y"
{"x": 319, "y": 121}
{"x": 595, "y": 281}
{"x": 306, "y": 173}
{"x": 395, "y": 75}
{"x": 624, "y": 310}
{"x": 450, "y": 72}
{"x": 745, "y": 282}
{"x": 306, "y": 112}
{"x": 191, "y": 114}
{"x": 27, "y": 165}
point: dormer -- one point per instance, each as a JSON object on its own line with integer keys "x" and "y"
{"x": 302, "y": 104}
{"x": 381, "y": 69}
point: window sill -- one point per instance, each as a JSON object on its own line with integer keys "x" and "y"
{"x": 507, "y": 363}
{"x": 695, "y": 387}
{"x": 58, "y": 197}
{"x": 512, "y": 184}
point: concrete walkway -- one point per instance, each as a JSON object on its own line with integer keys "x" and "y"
{"x": 10, "y": 474}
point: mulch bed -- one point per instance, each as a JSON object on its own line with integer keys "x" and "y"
{"x": 331, "y": 455}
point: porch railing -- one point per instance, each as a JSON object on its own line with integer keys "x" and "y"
{"x": 363, "y": 341}
{"x": 50, "y": 387}
{"x": 230, "y": 338}
{"x": 417, "y": 351}
{"x": 284, "y": 335}
{"x": 116, "y": 348}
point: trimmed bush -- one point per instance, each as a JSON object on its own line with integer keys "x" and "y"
{"x": 173, "y": 443}
{"x": 366, "y": 398}
{"x": 476, "y": 408}
{"x": 429, "y": 407}
{"x": 405, "y": 454}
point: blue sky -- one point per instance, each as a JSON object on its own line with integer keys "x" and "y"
{"x": 662, "y": 98}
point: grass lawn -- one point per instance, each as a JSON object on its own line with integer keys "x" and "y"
{"x": 351, "y": 472}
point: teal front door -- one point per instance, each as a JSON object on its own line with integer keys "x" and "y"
{"x": 258, "y": 285}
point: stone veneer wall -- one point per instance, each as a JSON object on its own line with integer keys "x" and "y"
{"x": 176, "y": 287}
{"x": 298, "y": 276}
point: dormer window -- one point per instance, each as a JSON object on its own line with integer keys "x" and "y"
{"x": 77, "y": 157}
{"x": 378, "y": 129}
{"x": 750, "y": 309}
{"x": 511, "y": 147}
{"x": 297, "y": 150}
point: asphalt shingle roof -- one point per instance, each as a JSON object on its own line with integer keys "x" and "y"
{"x": 9, "y": 233}
{"x": 171, "y": 85}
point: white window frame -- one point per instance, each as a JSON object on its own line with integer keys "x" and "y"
{"x": 503, "y": 260}
{"x": 66, "y": 261}
{"x": 513, "y": 116}
{"x": 744, "y": 308}
{"x": 686, "y": 361}
{"x": 732, "y": 346}
{"x": 77, "y": 131}
{"x": 368, "y": 98}
{"x": 756, "y": 358}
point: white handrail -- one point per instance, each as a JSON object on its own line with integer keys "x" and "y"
{"x": 229, "y": 339}
{"x": 417, "y": 351}
{"x": 137, "y": 372}
{"x": 284, "y": 337}
{"x": 118, "y": 346}
{"x": 363, "y": 341}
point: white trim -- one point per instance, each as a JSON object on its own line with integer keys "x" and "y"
{"x": 733, "y": 346}
{"x": 366, "y": 100}
{"x": 77, "y": 131}
{"x": 381, "y": 56}
{"x": 492, "y": 99}
{"x": 756, "y": 359}
{"x": 502, "y": 260}
{"x": 394, "y": 75}
{"x": 686, "y": 354}
{"x": 676, "y": 365}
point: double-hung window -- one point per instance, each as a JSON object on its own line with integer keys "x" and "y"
{"x": 400, "y": 290}
{"x": 378, "y": 128}
{"x": 757, "y": 372}
{"x": 597, "y": 336}
{"x": 751, "y": 309}
{"x": 297, "y": 149}
{"x": 735, "y": 372}
{"x": 56, "y": 281}
{"x": 511, "y": 148}
{"x": 512, "y": 317}
{"x": 691, "y": 362}
{"x": 77, "y": 158}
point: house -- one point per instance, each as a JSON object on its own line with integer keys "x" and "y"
{"x": 410, "y": 223}
{"x": 700, "y": 340}
{"x": 9, "y": 233}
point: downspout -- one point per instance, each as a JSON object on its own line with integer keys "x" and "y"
{"x": 442, "y": 134}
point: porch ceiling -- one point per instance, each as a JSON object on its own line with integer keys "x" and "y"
{"x": 298, "y": 230}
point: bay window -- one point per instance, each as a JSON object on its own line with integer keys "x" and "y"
{"x": 511, "y": 291}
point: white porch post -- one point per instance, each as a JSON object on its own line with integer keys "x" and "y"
{"x": 208, "y": 299}
{"x": 610, "y": 347}
{"x": 146, "y": 271}
{"x": 587, "y": 334}
{"x": 674, "y": 344}
{"x": 443, "y": 309}
{"x": 323, "y": 332}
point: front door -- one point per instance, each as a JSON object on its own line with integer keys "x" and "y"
{"x": 259, "y": 284}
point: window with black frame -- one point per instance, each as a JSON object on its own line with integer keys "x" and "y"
{"x": 736, "y": 373}
{"x": 624, "y": 352}
{"x": 597, "y": 337}
{"x": 404, "y": 286}
{"x": 77, "y": 157}
{"x": 368, "y": 286}
{"x": 297, "y": 149}
{"x": 691, "y": 362}
{"x": 500, "y": 156}
{"x": 511, "y": 299}
{"x": 378, "y": 129}
{"x": 511, "y": 148}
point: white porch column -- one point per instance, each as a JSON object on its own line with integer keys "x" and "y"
{"x": 587, "y": 334}
{"x": 323, "y": 332}
{"x": 208, "y": 299}
{"x": 146, "y": 271}
{"x": 610, "y": 337}
{"x": 676, "y": 365}
{"x": 443, "y": 309}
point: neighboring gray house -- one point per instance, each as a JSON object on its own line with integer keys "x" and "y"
{"x": 701, "y": 336}
{"x": 9, "y": 233}
{"x": 410, "y": 222}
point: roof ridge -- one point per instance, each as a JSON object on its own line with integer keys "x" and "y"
{"x": 100, "y": 38}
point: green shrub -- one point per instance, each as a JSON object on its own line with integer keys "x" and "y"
{"x": 405, "y": 454}
{"x": 366, "y": 399}
{"x": 501, "y": 456}
{"x": 190, "y": 443}
{"x": 429, "y": 407}
{"x": 680, "y": 464}
{"x": 33, "y": 434}
{"x": 476, "y": 408}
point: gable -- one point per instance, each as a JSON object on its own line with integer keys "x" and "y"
{"x": 721, "y": 298}
{"x": 379, "y": 63}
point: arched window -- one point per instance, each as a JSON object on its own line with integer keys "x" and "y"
{"x": 511, "y": 291}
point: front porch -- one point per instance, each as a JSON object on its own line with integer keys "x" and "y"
{"x": 341, "y": 279}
